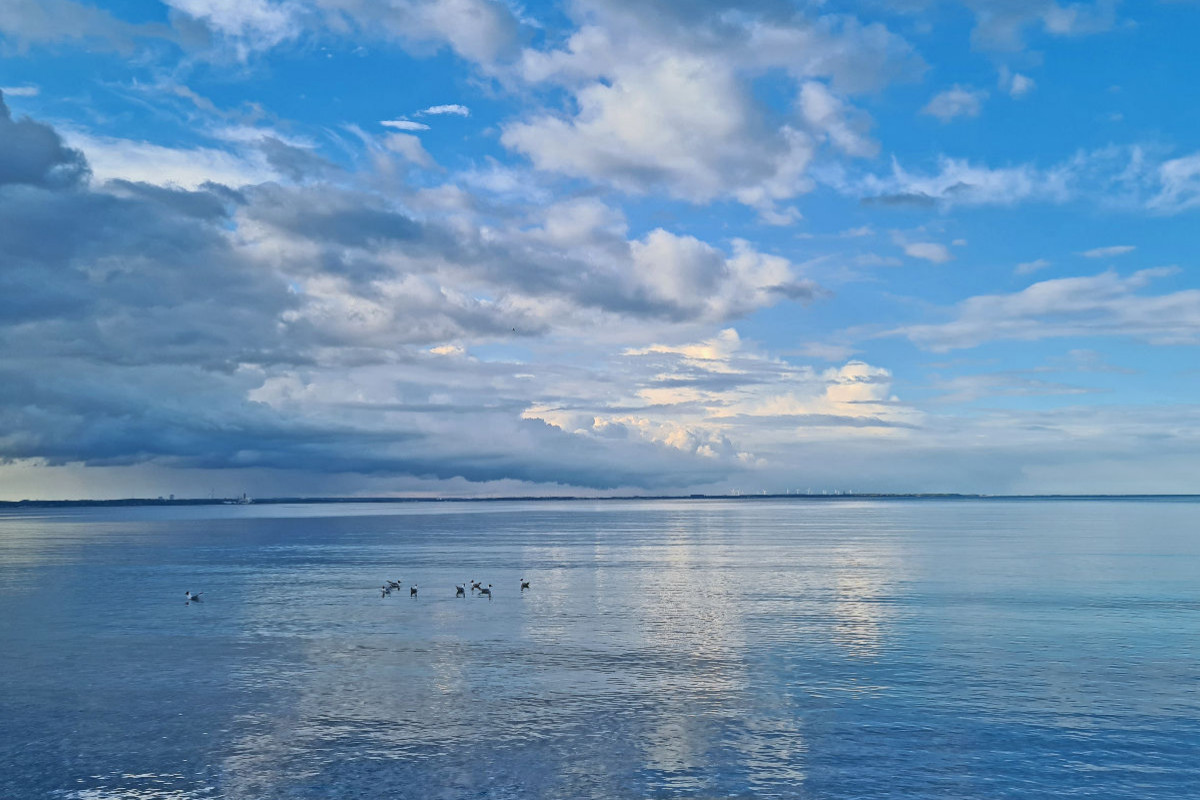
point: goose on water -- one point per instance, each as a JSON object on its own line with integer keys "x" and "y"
{"x": 487, "y": 591}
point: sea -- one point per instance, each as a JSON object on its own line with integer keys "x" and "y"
{"x": 703, "y": 648}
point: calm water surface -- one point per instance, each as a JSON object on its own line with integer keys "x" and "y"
{"x": 708, "y": 649}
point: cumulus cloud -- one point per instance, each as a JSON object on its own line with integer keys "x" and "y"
{"x": 666, "y": 107}
{"x": 281, "y": 325}
{"x": 681, "y": 125}
{"x": 35, "y": 155}
{"x": 1100, "y": 305}
{"x": 724, "y": 401}
{"x": 958, "y": 101}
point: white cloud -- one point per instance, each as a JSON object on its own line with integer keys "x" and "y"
{"x": 482, "y": 31}
{"x": 452, "y": 109}
{"x": 930, "y": 251}
{"x": 679, "y": 124}
{"x": 251, "y": 24}
{"x": 970, "y": 388}
{"x": 19, "y": 91}
{"x": 689, "y": 274}
{"x": 1100, "y": 305}
{"x": 404, "y": 125}
{"x": 409, "y": 147}
{"x": 1021, "y": 85}
{"x": 1014, "y": 83}
{"x": 829, "y": 115}
{"x": 127, "y": 159}
{"x": 721, "y": 399}
{"x": 1179, "y": 181}
{"x": 958, "y": 101}
{"x": 663, "y": 101}
{"x": 1004, "y": 25}
{"x": 959, "y": 182}
{"x": 1029, "y": 267}
{"x": 24, "y": 21}
{"x": 1108, "y": 252}
{"x": 1125, "y": 178}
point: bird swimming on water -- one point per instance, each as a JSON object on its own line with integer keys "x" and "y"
{"x": 459, "y": 592}
{"x": 524, "y": 584}
{"x": 487, "y": 591}
{"x": 476, "y": 585}
{"x": 412, "y": 592}
{"x": 192, "y": 598}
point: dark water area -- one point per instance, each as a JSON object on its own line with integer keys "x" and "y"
{"x": 667, "y": 649}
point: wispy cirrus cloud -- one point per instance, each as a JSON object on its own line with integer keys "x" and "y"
{"x": 1108, "y": 252}
{"x": 404, "y": 125}
{"x": 1030, "y": 267}
{"x": 1097, "y": 306}
{"x": 1124, "y": 178}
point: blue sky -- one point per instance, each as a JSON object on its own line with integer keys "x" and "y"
{"x": 474, "y": 247}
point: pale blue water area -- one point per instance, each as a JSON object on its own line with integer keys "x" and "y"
{"x": 707, "y": 649}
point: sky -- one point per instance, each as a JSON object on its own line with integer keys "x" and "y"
{"x": 598, "y": 247}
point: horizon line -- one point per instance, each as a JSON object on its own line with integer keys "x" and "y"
{"x": 338, "y": 499}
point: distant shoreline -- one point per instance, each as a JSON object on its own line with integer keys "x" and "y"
{"x": 139, "y": 501}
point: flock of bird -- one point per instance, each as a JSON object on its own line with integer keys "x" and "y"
{"x": 395, "y": 586}
{"x": 460, "y": 590}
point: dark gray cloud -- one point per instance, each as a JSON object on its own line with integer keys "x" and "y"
{"x": 144, "y": 324}
{"x": 144, "y": 275}
{"x": 33, "y": 153}
{"x": 295, "y": 163}
{"x": 192, "y": 418}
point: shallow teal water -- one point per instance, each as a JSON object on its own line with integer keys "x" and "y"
{"x": 904, "y": 649}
